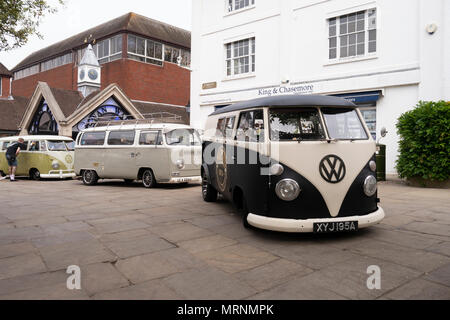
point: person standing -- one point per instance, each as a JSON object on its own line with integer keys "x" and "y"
{"x": 12, "y": 153}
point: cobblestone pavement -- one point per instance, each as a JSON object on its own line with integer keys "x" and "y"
{"x": 166, "y": 243}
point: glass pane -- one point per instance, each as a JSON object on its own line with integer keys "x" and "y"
{"x": 158, "y": 50}
{"x": 333, "y": 42}
{"x": 344, "y": 124}
{"x": 352, "y": 39}
{"x": 352, "y": 17}
{"x": 361, "y": 37}
{"x": 351, "y": 27}
{"x": 344, "y": 41}
{"x": 343, "y": 52}
{"x": 332, "y": 53}
{"x": 93, "y": 139}
{"x": 295, "y": 124}
{"x": 352, "y": 50}
{"x": 121, "y": 138}
{"x": 343, "y": 28}
{"x": 332, "y": 21}
{"x": 372, "y": 35}
{"x": 360, "y": 25}
{"x": 361, "y": 15}
{"x": 372, "y": 46}
{"x": 131, "y": 44}
{"x": 140, "y": 46}
{"x": 150, "y": 48}
{"x": 168, "y": 53}
{"x": 332, "y": 31}
{"x": 361, "y": 48}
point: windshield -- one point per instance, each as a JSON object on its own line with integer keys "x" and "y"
{"x": 295, "y": 124}
{"x": 56, "y": 146}
{"x": 183, "y": 137}
{"x": 344, "y": 124}
{"x": 70, "y": 145}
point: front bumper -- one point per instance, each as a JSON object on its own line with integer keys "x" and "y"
{"x": 59, "y": 174}
{"x": 307, "y": 226}
{"x": 195, "y": 179}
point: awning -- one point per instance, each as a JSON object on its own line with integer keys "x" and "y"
{"x": 361, "y": 97}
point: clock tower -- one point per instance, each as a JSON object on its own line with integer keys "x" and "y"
{"x": 89, "y": 73}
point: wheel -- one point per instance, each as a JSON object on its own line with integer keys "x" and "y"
{"x": 148, "y": 179}
{"x": 208, "y": 191}
{"x": 35, "y": 174}
{"x": 128, "y": 181}
{"x": 90, "y": 177}
{"x": 240, "y": 205}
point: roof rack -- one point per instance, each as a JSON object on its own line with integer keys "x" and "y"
{"x": 149, "y": 118}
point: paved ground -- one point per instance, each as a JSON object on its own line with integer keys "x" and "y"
{"x": 166, "y": 243}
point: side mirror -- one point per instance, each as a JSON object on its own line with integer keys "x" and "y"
{"x": 384, "y": 132}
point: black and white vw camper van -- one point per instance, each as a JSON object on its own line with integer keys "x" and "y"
{"x": 297, "y": 163}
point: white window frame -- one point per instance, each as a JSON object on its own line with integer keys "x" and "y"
{"x": 231, "y": 9}
{"x": 367, "y": 29}
{"x": 111, "y": 56}
{"x": 251, "y": 55}
{"x": 144, "y": 56}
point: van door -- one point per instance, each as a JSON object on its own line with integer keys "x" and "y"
{"x": 151, "y": 153}
{"x": 120, "y": 155}
{"x": 250, "y": 168}
{"x": 23, "y": 161}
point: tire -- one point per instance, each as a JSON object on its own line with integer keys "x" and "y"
{"x": 35, "y": 175}
{"x": 2, "y": 174}
{"x": 208, "y": 191}
{"x": 240, "y": 205}
{"x": 89, "y": 177}
{"x": 148, "y": 179}
{"x": 128, "y": 181}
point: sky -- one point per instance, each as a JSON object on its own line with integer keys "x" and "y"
{"x": 79, "y": 15}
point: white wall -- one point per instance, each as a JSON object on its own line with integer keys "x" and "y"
{"x": 292, "y": 43}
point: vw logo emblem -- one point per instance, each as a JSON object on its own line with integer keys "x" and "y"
{"x": 332, "y": 169}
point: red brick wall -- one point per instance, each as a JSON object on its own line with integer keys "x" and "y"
{"x": 5, "y": 87}
{"x": 140, "y": 81}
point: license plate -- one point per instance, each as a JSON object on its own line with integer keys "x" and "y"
{"x": 333, "y": 227}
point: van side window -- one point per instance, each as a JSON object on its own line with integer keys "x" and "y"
{"x": 153, "y": 138}
{"x": 251, "y": 126}
{"x": 35, "y": 146}
{"x": 220, "y": 130}
{"x": 121, "y": 138}
{"x": 5, "y": 145}
{"x": 229, "y": 127}
{"x": 93, "y": 139}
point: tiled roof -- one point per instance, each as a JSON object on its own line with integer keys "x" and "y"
{"x": 4, "y": 71}
{"x": 68, "y": 100}
{"x": 130, "y": 22}
{"x": 11, "y": 112}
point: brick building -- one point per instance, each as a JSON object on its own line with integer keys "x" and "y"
{"x": 126, "y": 68}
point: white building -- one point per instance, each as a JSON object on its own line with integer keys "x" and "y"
{"x": 385, "y": 55}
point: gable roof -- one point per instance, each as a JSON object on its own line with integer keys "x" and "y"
{"x": 11, "y": 112}
{"x": 4, "y": 71}
{"x": 68, "y": 100}
{"x": 130, "y": 22}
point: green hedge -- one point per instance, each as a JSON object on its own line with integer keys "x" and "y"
{"x": 425, "y": 142}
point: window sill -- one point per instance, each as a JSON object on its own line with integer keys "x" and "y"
{"x": 239, "y": 11}
{"x": 241, "y": 76}
{"x": 350, "y": 60}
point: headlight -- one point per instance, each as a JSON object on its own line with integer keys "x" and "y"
{"x": 370, "y": 186}
{"x": 276, "y": 170}
{"x": 287, "y": 190}
{"x": 55, "y": 165}
{"x": 373, "y": 166}
{"x": 180, "y": 164}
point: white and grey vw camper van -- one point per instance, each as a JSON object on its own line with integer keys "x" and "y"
{"x": 297, "y": 163}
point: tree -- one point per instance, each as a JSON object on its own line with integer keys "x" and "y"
{"x": 19, "y": 19}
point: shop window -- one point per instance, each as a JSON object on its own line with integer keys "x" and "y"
{"x": 93, "y": 139}
{"x": 251, "y": 126}
{"x": 121, "y": 138}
